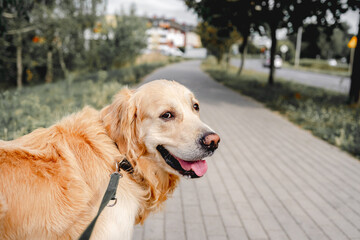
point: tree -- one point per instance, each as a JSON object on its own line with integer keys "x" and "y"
{"x": 355, "y": 75}
{"x": 290, "y": 54}
{"x": 14, "y": 22}
{"x": 45, "y": 13}
{"x": 226, "y": 17}
{"x": 56, "y": 21}
{"x": 332, "y": 44}
{"x": 65, "y": 35}
{"x": 10, "y": 9}
{"x": 273, "y": 14}
{"x": 214, "y": 42}
{"x": 324, "y": 42}
{"x": 291, "y": 14}
{"x": 124, "y": 39}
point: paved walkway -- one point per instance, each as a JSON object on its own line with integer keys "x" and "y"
{"x": 269, "y": 179}
{"x": 320, "y": 80}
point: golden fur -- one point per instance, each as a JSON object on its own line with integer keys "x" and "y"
{"x": 53, "y": 179}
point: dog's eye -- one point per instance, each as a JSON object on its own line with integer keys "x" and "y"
{"x": 196, "y": 107}
{"x": 167, "y": 115}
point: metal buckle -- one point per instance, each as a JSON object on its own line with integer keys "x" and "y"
{"x": 111, "y": 205}
{"x": 117, "y": 169}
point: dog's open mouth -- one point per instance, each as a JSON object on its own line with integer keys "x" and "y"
{"x": 193, "y": 169}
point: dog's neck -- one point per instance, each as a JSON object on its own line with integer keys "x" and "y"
{"x": 156, "y": 183}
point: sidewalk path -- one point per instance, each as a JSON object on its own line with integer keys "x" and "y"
{"x": 320, "y": 80}
{"x": 269, "y": 179}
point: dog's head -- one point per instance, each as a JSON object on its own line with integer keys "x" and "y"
{"x": 161, "y": 119}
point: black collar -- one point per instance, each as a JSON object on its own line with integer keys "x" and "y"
{"x": 126, "y": 166}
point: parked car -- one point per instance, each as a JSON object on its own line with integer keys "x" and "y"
{"x": 332, "y": 62}
{"x": 168, "y": 51}
{"x": 277, "y": 61}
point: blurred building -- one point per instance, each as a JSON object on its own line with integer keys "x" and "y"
{"x": 261, "y": 41}
{"x": 167, "y": 36}
{"x": 164, "y": 35}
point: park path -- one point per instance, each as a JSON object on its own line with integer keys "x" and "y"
{"x": 320, "y": 80}
{"x": 269, "y": 179}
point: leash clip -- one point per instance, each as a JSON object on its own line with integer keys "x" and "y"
{"x": 114, "y": 198}
{"x": 117, "y": 169}
{"x": 127, "y": 167}
{"x": 117, "y": 172}
{"x": 111, "y": 205}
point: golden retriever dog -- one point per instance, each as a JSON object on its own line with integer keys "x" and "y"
{"x": 52, "y": 180}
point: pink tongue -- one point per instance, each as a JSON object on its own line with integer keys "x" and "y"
{"x": 199, "y": 167}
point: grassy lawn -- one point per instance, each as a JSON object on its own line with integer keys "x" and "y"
{"x": 322, "y": 112}
{"x": 320, "y": 66}
{"x": 40, "y": 106}
{"x": 313, "y": 65}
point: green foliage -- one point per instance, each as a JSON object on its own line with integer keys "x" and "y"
{"x": 125, "y": 38}
{"x": 15, "y": 27}
{"x": 252, "y": 49}
{"x": 13, "y": 9}
{"x": 271, "y": 15}
{"x": 290, "y": 54}
{"x": 322, "y": 65}
{"x": 215, "y": 43}
{"x": 57, "y": 37}
{"x": 324, "y": 42}
{"x": 321, "y": 111}
{"x": 40, "y": 106}
{"x": 225, "y": 15}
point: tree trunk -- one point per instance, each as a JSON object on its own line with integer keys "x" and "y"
{"x": 355, "y": 75}
{"x": 49, "y": 66}
{"x": 219, "y": 59}
{"x": 62, "y": 63}
{"x": 272, "y": 54}
{"x": 298, "y": 47}
{"x": 243, "y": 51}
{"x": 228, "y": 57}
{"x": 19, "y": 65}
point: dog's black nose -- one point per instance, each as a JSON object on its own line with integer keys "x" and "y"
{"x": 210, "y": 141}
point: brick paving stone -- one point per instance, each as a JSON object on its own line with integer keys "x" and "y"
{"x": 174, "y": 226}
{"x": 189, "y": 195}
{"x": 193, "y": 214}
{"x": 195, "y": 231}
{"x": 254, "y": 229}
{"x": 138, "y": 232}
{"x": 217, "y": 238}
{"x": 278, "y": 235}
{"x": 214, "y": 226}
{"x": 269, "y": 179}
{"x": 154, "y": 229}
{"x": 236, "y": 233}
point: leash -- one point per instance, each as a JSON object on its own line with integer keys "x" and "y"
{"x": 110, "y": 194}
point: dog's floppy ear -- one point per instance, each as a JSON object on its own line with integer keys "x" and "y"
{"x": 120, "y": 122}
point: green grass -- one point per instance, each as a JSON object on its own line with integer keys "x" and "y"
{"x": 322, "y": 112}
{"x": 313, "y": 65}
{"x": 40, "y": 106}
{"x": 320, "y": 66}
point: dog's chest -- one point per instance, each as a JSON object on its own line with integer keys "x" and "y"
{"x": 117, "y": 222}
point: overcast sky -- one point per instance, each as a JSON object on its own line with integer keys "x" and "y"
{"x": 161, "y": 8}
{"x": 178, "y": 10}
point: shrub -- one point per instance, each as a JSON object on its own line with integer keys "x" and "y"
{"x": 290, "y": 54}
{"x": 321, "y": 64}
{"x": 40, "y": 106}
